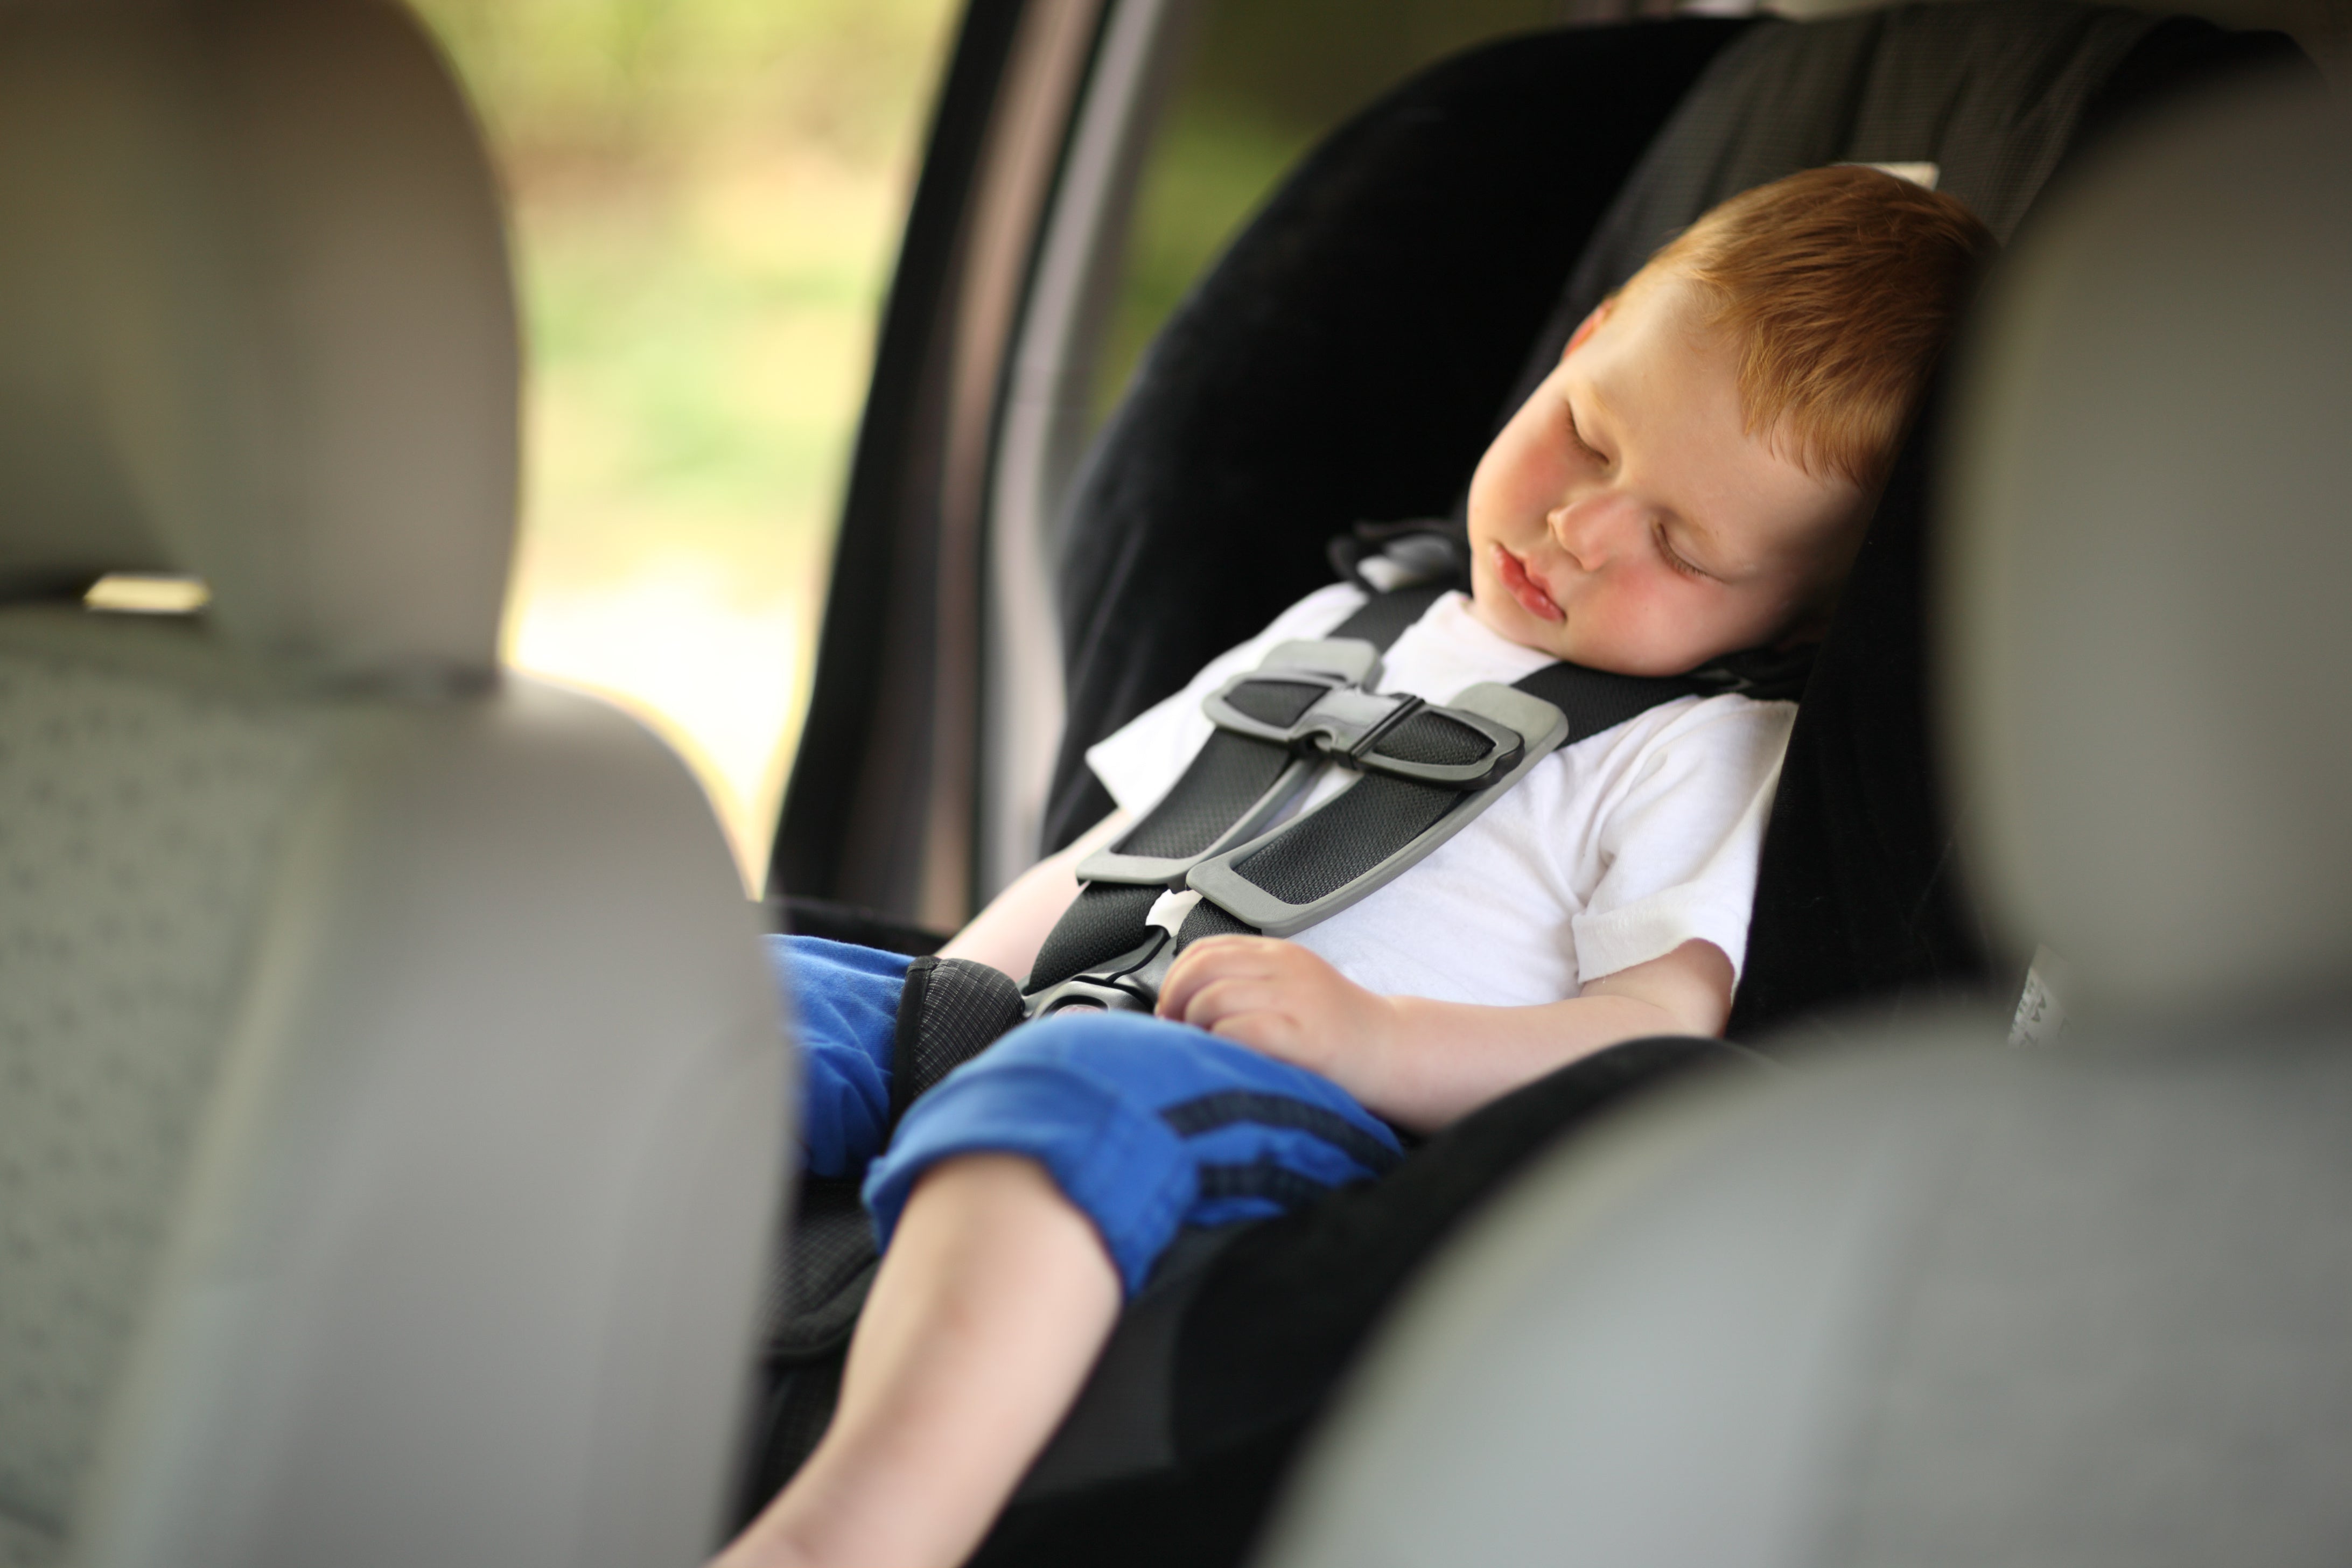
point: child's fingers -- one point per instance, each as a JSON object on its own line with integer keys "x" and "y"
{"x": 1228, "y": 956}
{"x": 1225, "y": 997}
{"x": 1259, "y": 1011}
{"x": 1215, "y": 958}
{"x": 1233, "y": 942}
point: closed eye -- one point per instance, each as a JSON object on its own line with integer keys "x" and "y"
{"x": 1673, "y": 559}
{"x": 1577, "y": 436}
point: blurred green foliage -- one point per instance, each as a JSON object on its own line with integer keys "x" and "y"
{"x": 631, "y": 80}
{"x": 707, "y": 197}
{"x": 706, "y": 200}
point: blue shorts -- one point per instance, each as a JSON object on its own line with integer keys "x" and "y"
{"x": 1145, "y": 1126}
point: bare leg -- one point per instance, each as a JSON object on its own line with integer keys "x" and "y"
{"x": 990, "y": 1308}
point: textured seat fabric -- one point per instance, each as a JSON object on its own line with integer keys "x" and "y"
{"x": 389, "y": 1080}
{"x": 1949, "y": 1304}
{"x": 122, "y": 933}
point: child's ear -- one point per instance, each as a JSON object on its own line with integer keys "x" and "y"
{"x": 1590, "y": 325}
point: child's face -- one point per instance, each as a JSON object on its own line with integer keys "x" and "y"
{"x": 1624, "y": 519}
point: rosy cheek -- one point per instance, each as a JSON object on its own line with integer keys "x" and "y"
{"x": 1653, "y": 616}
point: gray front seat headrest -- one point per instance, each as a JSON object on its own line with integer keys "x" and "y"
{"x": 255, "y": 323}
{"x": 2151, "y": 568}
{"x": 393, "y": 1114}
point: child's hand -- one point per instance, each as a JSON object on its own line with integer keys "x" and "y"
{"x": 1279, "y": 998}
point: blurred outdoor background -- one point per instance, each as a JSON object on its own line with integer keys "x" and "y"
{"x": 707, "y": 198}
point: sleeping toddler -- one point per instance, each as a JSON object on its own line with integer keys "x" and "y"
{"x": 1692, "y": 479}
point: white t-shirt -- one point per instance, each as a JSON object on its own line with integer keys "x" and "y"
{"x": 1612, "y": 851}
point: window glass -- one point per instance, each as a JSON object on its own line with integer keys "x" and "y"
{"x": 1260, "y": 82}
{"x": 707, "y": 196}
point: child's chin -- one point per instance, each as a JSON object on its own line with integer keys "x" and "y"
{"x": 1615, "y": 656}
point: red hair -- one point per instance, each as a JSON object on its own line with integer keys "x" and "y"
{"x": 1841, "y": 287}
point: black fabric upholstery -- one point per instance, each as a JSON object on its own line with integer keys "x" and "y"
{"x": 829, "y": 1257}
{"x": 1345, "y": 358}
{"x": 951, "y": 1010}
{"x": 1858, "y": 894}
{"x": 817, "y": 1288}
{"x": 1240, "y": 1369}
{"x": 794, "y": 1404}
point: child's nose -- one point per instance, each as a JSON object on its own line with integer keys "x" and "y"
{"x": 1587, "y": 528}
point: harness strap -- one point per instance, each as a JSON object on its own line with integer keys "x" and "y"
{"x": 1382, "y": 619}
{"x": 1235, "y": 784}
{"x": 1597, "y": 700}
{"x": 1425, "y": 774}
{"x": 1380, "y": 826}
{"x": 1107, "y": 921}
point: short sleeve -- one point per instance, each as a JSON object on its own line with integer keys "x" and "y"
{"x": 1139, "y": 761}
{"x": 1679, "y": 845}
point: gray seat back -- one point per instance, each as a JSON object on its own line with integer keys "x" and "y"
{"x": 1957, "y": 1304}
{"x": 391, "y": 1091}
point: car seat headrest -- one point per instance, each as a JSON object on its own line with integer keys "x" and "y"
{"x": 2149, "y": 560}
{"x": 255, "y": 323}
{"x": 1980, "y": 99}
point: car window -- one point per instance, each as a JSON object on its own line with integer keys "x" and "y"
{"x": 707, "y": 196}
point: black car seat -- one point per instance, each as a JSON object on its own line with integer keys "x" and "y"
{"x": 1347, "y": 360}
{"x": 1367, "y": 280}
{"x": 1353, "y": 352}
{"x": 1942, "y": 1303}
{"x": 391, "y": 1090}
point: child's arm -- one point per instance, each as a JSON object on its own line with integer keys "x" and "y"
{"x": 1418, "y": 1063}
{"x": 1007, "y": 935}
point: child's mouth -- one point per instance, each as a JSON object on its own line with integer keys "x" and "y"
{"x": 1525, "y": 588}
